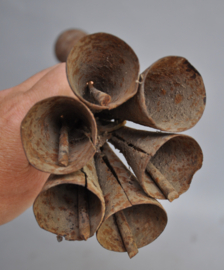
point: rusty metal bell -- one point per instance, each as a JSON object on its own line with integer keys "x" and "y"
{"x": 72, "y": 205}
{"x": 59, "y": 135}
{"x": 164, "y": 164}
{"x": 66, "y": 41}
{"x": 102, "y": 71}
{"x": 132, "y": 219}
{"x": 171, "y": 97}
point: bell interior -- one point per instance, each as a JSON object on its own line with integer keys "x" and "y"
{"x": 174, "y": 94}
{"x": 146, "y": 221}
{"x": 56, "y": 210}
{"x": 178, "y": 159}
{"x": 42, "y": 145}
{"x": 107, "y": 61}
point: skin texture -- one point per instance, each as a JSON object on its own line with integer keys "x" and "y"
{"x": 20, "y": 183}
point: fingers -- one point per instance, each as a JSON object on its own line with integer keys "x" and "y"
{"x": 19, "y": 193}
{"x": 26, "y": 85}
{"x": 19, "y": 181}
{"x": 14, "y": 110}
{"x": 53, "y": 83}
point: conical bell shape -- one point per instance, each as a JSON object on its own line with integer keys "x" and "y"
{"x": 72, "y": 205}
{"x": 132, "y": 219}
{"x": 171, "y": 97}
{"x": 103, "y": 71}
{"x": 66, "y": 41}
{"x": 164, "y": 164}
{"x": 59, "y": 135}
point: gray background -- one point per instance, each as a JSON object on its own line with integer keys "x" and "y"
{"x": 194, "y": 236}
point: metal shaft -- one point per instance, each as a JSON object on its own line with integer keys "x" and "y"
{"x": 102, "y": 98}
{"x": 126, "y": 234}
{"x": 83, "y": 213}
{"x": 166, "y": 187}
{"x": 63, "y": 152}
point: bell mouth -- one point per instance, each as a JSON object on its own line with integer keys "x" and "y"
{"x": 56, "y": 210}
{"x": 40, "y": 131}
{"x": 178, "y": 159}
{"x": 146, "y": 221}
{"x": 174, "y": 94}
{"x": 109, "y": 63}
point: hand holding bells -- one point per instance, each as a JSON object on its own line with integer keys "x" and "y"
{"x": 89, "y": 189}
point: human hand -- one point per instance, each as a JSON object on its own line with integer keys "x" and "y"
{"x": 20, "y": 183}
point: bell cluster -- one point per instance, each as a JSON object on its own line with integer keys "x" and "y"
{"x": 90, "y": 190}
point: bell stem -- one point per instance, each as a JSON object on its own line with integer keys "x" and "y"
{"x": 63, "y": 152}
{"x": 126, "y": 234}
{"x": 83, "y": 213}
{"x": 102, "y": 98}
{"x": 166, "y": 187}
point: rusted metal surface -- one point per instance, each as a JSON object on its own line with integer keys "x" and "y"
{"x": 109, "y": 63}
{"x": 61, "y": 135}
{"x": 114, "y": 195}
{"x": 63, "y": 151}
{"x": 66, "y": 41}
{"x": 126, "y": 234}
{"x": 171, "y": 97}
{"x": 40, "y": 131}
{"x": 83, "y": 212}
{"x": 176, "y": 157}
{"x": 100, "y": 97}
{"x": 160, "y": 180}
{"x": 72, "y": 205}
{"x": 145, "y": 216}
{"x": 94, "y": 186}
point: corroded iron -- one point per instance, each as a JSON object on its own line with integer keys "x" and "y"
{"x": 72, "y": 205}
{"x": 66, "y": 41}
{"x": 126, "y": 233}
{"x": 164, "y": 164}
{"x": 100, "y": 97}
{"x": 161, "y": 181}
{"x": 41, "y": 130}
{"x": 171, "y": 97}
{"x": 63, "y": 151}
{"x": 109, "y": 63}
{"x": 129, "y": 212}
{"x": 61, "y": 135}
{"x": 83, "y": 213}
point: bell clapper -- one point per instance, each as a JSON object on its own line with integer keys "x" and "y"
{"x": 165, "y": 186}
{"x": 83, "y": 213}
{"x": 126, "y": 234}
{"x": 63, "y": 152}
{"x": 102, "y": 98}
